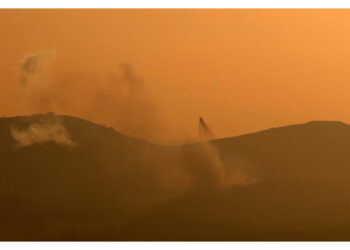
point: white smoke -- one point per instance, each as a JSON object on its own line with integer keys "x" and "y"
{"x": 50, "y": 130}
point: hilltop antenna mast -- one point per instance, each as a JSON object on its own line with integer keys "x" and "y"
{"x": 205, "y": 132}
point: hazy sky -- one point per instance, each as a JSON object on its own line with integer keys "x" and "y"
{"x": 242, "y": 70}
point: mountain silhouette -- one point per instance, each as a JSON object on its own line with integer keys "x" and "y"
{"x": 288, "y": 183}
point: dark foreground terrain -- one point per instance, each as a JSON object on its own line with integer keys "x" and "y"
{"x": 89, "y": 182}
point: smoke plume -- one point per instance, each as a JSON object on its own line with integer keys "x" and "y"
{"x": 49, "y": 130}
{"x": 33, "y": 66}
{"x": 209, "y": 169}
{"x": 119, "y": 98}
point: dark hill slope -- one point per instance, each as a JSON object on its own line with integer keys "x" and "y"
{"x": 311, "y": 150}
{"x": 48, "y": 188}
{"x": 279, "y": 210}
{"x": 288, "y": 183}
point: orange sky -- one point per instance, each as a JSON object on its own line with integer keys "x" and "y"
{"x": 242, "y": 70}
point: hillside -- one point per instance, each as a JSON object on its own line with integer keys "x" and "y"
{"x": 64, "y": 178}
{"x": 311, "y": 150}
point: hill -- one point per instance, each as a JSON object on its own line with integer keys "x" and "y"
{"x": 64, "y": 178}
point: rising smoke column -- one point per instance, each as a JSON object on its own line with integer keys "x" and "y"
{"x": 35, "y": 92}
{"x": 137, "y": 114}
{"x": 33, "y": 66}
{"x": 33, "y": 83}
